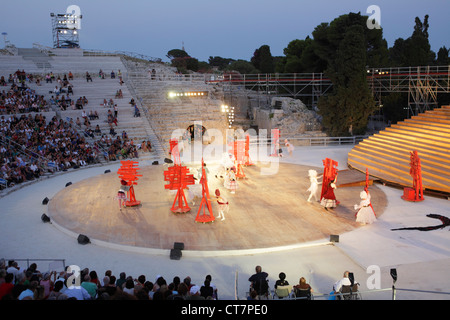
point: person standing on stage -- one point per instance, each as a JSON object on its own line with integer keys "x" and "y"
{"x": 223, "y": 205}
{"x": 230, "y": 181}
{"x": 365, "y": 212}
{"x": 314, "y": 187}
{"x": 328, "y": 198}
{"x": 122, "y": 193}
{"x": 289, "y": 146}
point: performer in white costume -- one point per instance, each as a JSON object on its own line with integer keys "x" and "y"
{"x": 230, "y": 181}
{"x": 365, "y": 213}
{"x": 223, "y": 205}
{"x": 314, "y": 187}
{"x": 289, "y": 146}
{"x": 226, "y": 163}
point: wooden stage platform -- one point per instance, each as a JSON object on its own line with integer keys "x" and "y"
{"x": 266, "y": 211}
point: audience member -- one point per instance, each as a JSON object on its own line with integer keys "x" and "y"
{"x": 258, "y": 281}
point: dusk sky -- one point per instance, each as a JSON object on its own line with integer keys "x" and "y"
{"x": 230, "y": 29}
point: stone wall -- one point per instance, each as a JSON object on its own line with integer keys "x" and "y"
{"x": 289, "y": 115}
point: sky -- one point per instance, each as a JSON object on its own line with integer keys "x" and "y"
{"x": 227, "y": 28}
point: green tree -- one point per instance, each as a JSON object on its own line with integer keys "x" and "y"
{"x": 414, "y": 51}
{"x": 443, "y": 57}
{"x": 301, "y": 58}
{"x": 349, "y": 47}
{"x": 242, "y": 66}
{"x": 219, "y": 62}
{"x": 177, "y": 53}
{"x": 262, "y": 60}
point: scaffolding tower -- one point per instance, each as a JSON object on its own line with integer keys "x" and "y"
{"x": 65, "y": 28}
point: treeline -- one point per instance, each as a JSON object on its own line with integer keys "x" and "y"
{"x": 343, "y": 49}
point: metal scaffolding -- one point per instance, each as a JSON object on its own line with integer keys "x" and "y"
{"x": 421, "y": 83}
{"x": 65, "y": 27}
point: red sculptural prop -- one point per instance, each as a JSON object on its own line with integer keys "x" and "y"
{"x": 128, "y": 172}
{"x": 238, "y": 149}
{"x": 247, "y": 160}
{"x": 179, "y": 178}
{"x": 275, "y": 143}
{"x": 416, "y": 192}
{"x": 206, "y": 201}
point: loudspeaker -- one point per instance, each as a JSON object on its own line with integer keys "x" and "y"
{"x": 82, "y": 239}
{"x": 45, "y": 218}
{"x": 45, "y": 201}
{"x": 107, "y": 171}
{"x": 334, "y": 238}
{"x": 175, "y": 254}
{"x": 167, "y": 160}
{"x": 155, "y": 162}
{"x": 393, "y": 273}
{"x": 68, "y": 184}
{"x": 178, "y": 245}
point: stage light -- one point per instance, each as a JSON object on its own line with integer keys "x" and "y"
{"x": 172, "y": 94}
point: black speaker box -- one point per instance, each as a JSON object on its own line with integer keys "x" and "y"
{"x": 175, "y": 254}
{"x": 45, "y": 201}
{"x": 82, "y": 239}
{"x": 45, "y": 218}
{"x": 155, "y": 162}
{"x": 178, "y": 245}
{"x": 334, "y": 238}
{"x": 68, "y": 184}
{"x": 107, "y": 171}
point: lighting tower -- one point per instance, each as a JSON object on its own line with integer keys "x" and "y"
{"x": 66, "y": 28}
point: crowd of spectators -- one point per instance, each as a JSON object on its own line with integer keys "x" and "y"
{"x": 55, "y": 142}
{"x": 19, "y": 98}
{"x": 32, "y": 144}
{"x": 85, "y": 284}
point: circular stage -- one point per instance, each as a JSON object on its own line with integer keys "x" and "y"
{"x": 266, "y": 211}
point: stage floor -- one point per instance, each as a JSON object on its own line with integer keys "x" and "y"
{"x": 266, "y": 211}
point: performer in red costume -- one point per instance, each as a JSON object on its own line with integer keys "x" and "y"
{"x": 328, "y": 198}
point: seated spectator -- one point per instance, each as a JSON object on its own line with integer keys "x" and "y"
{"x": 303, "y": 289}
{"x": 90, "y": 287}
{"x": 88, "y": 77}
{"x": 97, "y": 130}
{"x": 57, "y": 290}
{"x": 345, "y": 281}
{"x": 206, "y": 291}
{"x": 282, "y": 280}
{"x": 258, "y": 281}
{"x": 7, "y": 286}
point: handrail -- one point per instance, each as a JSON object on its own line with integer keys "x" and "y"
{"x": 141, "y": 106}
{"x": 97, "y": 52}
{"x": 325, "y": 141}
{"x": 28, "y": 260}
{"x": 29, "y": 154}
